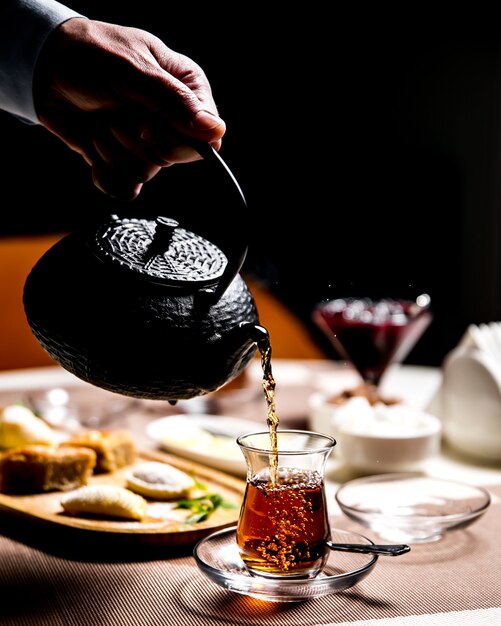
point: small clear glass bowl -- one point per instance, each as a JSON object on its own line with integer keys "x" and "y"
{"x": 411, "y": 507}
{"x": 218, "y": 558}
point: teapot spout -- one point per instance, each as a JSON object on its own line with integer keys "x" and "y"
{"x": 241, "y": 343}
{"x": 257, "y": 334}
{"x": 248, "y": 333}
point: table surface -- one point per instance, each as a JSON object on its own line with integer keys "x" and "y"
{"x": 50, "y": 580}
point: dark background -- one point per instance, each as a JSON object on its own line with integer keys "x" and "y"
{"x": 367, "y": 145}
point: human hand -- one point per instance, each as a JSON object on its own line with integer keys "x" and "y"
{"x": 124, "y": 101}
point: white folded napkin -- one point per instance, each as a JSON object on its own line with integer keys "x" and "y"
{"x": 469, "y": 399}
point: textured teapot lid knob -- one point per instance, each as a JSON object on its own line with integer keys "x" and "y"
{"x": 165, "y": 230}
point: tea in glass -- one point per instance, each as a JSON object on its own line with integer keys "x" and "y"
{"x": 284, "y": 523}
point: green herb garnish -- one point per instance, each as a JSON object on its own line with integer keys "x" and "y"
{"x": 203, "y": 506}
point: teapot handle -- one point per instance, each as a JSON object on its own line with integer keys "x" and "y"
{"x": 236, "y": 256}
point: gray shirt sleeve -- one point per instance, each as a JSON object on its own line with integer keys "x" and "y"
{"x": 24, "y": 27}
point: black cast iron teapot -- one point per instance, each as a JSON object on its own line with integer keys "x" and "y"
{"x": 144, "y": 308}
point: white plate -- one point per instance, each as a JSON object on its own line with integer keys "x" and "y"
{"x": 206, "y": 439}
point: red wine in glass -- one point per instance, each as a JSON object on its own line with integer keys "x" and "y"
{"x": 372, "y": 334}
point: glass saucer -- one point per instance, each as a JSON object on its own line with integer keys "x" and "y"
{"x": 218, "y": 558}
{"x": 411, "y": 507}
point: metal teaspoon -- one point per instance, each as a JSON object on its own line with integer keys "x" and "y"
{"x": 370, "y": 548}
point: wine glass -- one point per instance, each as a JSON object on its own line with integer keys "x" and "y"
{"x": 373, "y": 333}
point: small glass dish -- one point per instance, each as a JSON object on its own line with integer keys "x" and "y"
{"x": 81, "y": 406}
{"x": 411, "y": 507}
{"x": 218, "y": 558}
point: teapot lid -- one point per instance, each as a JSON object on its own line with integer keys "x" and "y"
{"x": 160, "y": 251}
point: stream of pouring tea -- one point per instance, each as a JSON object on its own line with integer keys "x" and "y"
{"x": 272, "y": 420}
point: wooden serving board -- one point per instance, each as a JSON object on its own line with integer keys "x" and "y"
{"x": 163, "y": 525}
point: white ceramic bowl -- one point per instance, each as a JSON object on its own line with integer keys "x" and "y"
{"x": 376, "y": 439}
